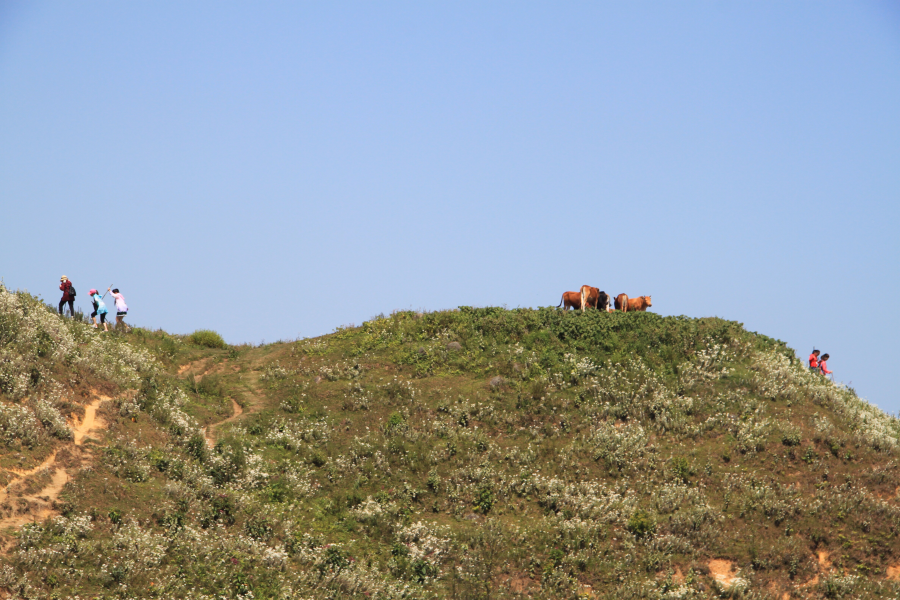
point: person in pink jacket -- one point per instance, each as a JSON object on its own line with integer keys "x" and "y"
{"x": 824, "y": 367}
{"x": 121, "y": 309}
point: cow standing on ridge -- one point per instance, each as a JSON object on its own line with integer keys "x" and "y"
{"x": 570, "y": 300}
{"x": 589, "y": 297}
{"x": 640, "y": 304}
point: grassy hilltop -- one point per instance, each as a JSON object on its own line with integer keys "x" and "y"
{"x": 475, "y": 453}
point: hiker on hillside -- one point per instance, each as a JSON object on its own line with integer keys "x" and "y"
{"x": 814, "y": 361}
{"x": 121, "y": 309}
{"x": 68, "y": 295}
{"x": 823, "y": 367}
{"x": 99, "y": 309}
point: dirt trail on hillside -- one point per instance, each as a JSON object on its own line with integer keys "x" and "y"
{"x": 208, "y": 431}
{"x": 18, "y": 505}
{"x": 200, "y": 368}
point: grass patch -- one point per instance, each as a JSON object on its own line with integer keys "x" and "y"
{"x": 207, "y": 338}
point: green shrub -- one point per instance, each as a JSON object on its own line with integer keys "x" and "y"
{"x": 210, "y": 385}
{"x": 484, "y": 500}
{"x": 641, "y": 523}
{"x": 791, "y": 438}
{"x": 395, "y": 423}
{"x": 318, "y": 459}
{"x": 335, "y": 560}
{"x": 434, "y": 481}
{"x": 207, "y": 338}
{"x": 681, "y": 469}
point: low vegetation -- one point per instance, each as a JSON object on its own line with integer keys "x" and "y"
{"x": 207, "y": 338}
{"x": 473, "y": 453}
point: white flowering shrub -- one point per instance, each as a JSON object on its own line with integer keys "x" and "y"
{"x": 586, "y": 500}
{"x": 274, "y": 373}
{"x": 51, "y": 419}
{"x": 18, "y": 425}
{"x": 634, "y": 391}
{"x": 341, "y": 370}
{"x": 138, "y": 549}
{"x": 116, "y": 360}
{"x": 31, "y": 338}
{"x": 618, "y": 447}
{"x": 428, "y": 547}
{"x": 709, "y": 364}
{"x": 293, "y": 435}
{"x": 751, "y": 433}
{"x": 128, "y": 460}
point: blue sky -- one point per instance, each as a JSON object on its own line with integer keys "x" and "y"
{"x": 274, "y": 170}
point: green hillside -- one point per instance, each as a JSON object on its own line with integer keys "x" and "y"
{"x": 474, "y": 453}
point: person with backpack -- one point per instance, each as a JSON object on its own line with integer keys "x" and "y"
{"x": 99, "y": 309}
{"x": 814, "y": 361}
{"x": 823, "y": 366}
{"x": 68, "y": 296}
{"x": 121, "y": 309}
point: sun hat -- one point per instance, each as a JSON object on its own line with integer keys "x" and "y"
{"x": 63, "y": 278}
{"x": 91, "y": 292}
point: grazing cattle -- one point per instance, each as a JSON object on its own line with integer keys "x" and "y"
{"x": 593, "y": 297}
{"x": 589, "y": 297}
{"x": 571, "y": 300}
{"x": 603, "y": 302}
{"x": 641, "y": 303}
{"x": 622, "y": 302}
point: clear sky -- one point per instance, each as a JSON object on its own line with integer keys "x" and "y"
{"x": 275, "y": 170}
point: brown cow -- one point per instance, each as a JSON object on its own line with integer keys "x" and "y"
{"x": 641, "y": 303}
{"x": 589, "y": 296}
{"x": 621, "y": 302}
{"x": 571, "y": 300}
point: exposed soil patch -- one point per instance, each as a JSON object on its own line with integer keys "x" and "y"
{"x": 722, "y": 571}
{"x": 196, "y": 367}
{"x": 31, "y": 495}
{"x": 202, "y": 367}
{"x": 893, "y": 573}
{"x": 520, "y": 584}
{"x": 824, "y": 560}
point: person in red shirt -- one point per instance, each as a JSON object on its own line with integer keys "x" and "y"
{"x": 814, "y": 360}
{"x": 65, "y": 285}
{"x": 824, "y": 367}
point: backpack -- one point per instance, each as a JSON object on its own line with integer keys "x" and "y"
{"x": 71, "y": 291}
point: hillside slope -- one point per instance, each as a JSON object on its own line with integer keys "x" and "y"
{"x": 476, "y": 453}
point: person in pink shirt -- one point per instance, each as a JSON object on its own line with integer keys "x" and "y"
{"x": 121, "y": 309}
{"x": 824, "y": 367}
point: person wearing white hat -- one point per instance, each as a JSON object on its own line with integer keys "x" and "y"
{"x": 68, "y": 295}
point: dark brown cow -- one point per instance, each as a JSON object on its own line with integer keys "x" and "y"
{"x": 641, "y": 303}
{"x": 571, "y": 300}
{"x": 622, "y": 302}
